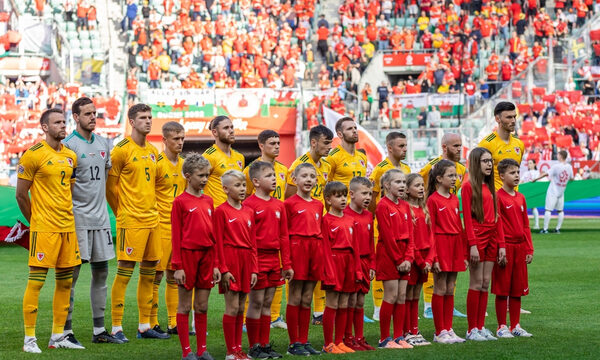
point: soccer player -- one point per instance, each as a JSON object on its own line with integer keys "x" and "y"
{"x": 485, "y": 238}
{"x": 509, "y": 282}
{"x": 396, "y": 147}
{"x": 451, "y": 150}
{"x": 235, "y": 233}
{"x": 131, "y": 188}
{"x": 342, "y": 270}
{"x": 269, "y": 143}
{"x": 361, "y": 195}
{"x": 304, "y": 215}
{"x": 222, "y": 157}
{"x": 193, "y": 254}
{"x": 344, "y": 161}
{"x": 48, "y": 170}
{"x": 394, "y": 256}
{"x": 91, "y": 215}
{"x": 560, "y": 174}
{"x": 170, "y": 183}
{"x": 274, "y": 265}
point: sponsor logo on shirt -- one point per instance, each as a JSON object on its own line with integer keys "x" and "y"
{"x": 232, "y": 220}
{"x": 209, "y": 212}
{"x": 442, "y": 208}
{"x": 277, "y": 214}
{"x": 335, "y": 229}
{"x": 192, "y": 209}
{"x": 249, "y": 223}
{"x": 301, "y": 211}
{"x": 392, "y": 214}
{"x": 509, "y": 206}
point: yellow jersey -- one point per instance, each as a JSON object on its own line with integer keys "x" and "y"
{"x": 323, "y": 170}
{"x": 501, "y": 150}
{"x": 461, "y": 170}
{"x": 344, "y": 166}
{"x": 219, "y": 164}
{"x": 170, "y": 183}
{"x": 280, "y": 175}
{"x": 381, "y": 169}
{"x": 135, "y": 167}
{"x": 51, "y": 173}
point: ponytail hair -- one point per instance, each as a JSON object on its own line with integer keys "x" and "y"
{"x": 477, "y": 180}
{"x": 438, "y": 169}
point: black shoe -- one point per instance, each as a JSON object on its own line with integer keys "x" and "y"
{"x": 152, "y": 334}
{"x": 172, "y": 331}
{"x": 106, "y": 338}
{"x": 158, "y": 329}
{"x": 72, "y": 340}
{"x": 556, "y": 231}
{"x": 297, "y": 349}
{"x": 308, "y": 347}
{"x": 317, "y": 320}
{"x": 120, "y": 336}
{"x": 543, "y": 231}
{"x": 272, "y": 353}
{"x": 205, "y": 356}
{"x": 256, "y": 352}
{"x": 190, "y": 356}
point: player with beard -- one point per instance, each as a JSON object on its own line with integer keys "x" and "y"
{"x": 222, "y": 157}
{"x": 346, "y": 163}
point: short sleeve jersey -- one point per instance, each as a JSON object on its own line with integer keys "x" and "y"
{"x": 461, "y": 170}
{"x": 559, "y": 175}
{"x": 502, "y": 150}
{"x": 323, "y": 170}
{"x": 170, "y": 183}
{"x": 135, "y": 166}
{"x": 51, "y": 173}
{"x": 280, "y": 175}
{"x": 344, "y": 166}
{"x": 89, "y": 191}
{"x": 219, "y": 164}
{"x": 381, "y": 169}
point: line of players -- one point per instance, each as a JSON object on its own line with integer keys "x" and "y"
{"x": 258, "y": 255}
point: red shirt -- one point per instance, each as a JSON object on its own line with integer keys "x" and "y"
{"x": 271, "y": 227}
{"x": 191, "y": 225}
{"x": 338, "y": 233}
{"x": 363, "y": 230}
{"x": 470, "y": 88}
{"x": 394, "y": 225}
{"x": 304, "y": 217}
{"x": 515, "y": 222}
{"x": 234, "y": 228}
{"x": 323, "y": 33}
{"x": 489, "y": 217}
{"x": 423, "y": 237}
{"x": 443, "y": 214}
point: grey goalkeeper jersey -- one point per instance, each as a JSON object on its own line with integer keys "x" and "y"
{"x": 89, "y": 192}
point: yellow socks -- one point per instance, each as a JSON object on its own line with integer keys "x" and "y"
{"x": 154, "y": 309}
{"x": 144, "y": 293}
{"x": 377, "y": 290}
{"x": 172, "y": 299}
{"x": 318, "y": 299}
{"x": 428, "y": 289}
{"x": 276, "y": 304}
{"x": 117, "y": 296}
{"x": 60, "y": 303}
{"x": 30, "y": 299}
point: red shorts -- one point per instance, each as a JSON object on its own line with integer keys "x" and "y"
{"x": 365, "y": 284}
{"x": 487, "y": 242}
{"x": 198, "y": 265}
{"x": 269, "y": 270}
{"x": 416, "y": 273}
{"x": 511, "y": 279}
{"x": 386, "y": 269}
{"x": 342, "y": 277}
{"x": 239, "y": 263}
{"x": 307, "y": 258}
{"x": 450, "y": 252}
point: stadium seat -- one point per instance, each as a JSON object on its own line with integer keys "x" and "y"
{"x": 71, "y": 26}
{"x": 84, "y": 34}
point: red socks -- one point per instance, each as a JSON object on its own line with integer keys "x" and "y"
{"x": 183, "y": 328}
{"x": 359, "y": 317}
{"x": 399, "y": 310}
{"x": 253, "y": 330}
{"x": 200, "y": 322}
{"x": 385, "y": 319}
{"x": 501, "y": 308}
{"x": 472, "y": 308}
{"x": 349, "y": 322}
{"x": 515, "y": 311}
{"x": 229, "y": 323}
{"x": 265, "y": 330}
{"x": 329, "y": 317}
{"x": 239, "y": 327}
{"x": 303, "y": 324}
{"x": 407, "y": 307}
{"x": 448, "y": 311}
{"x": 291, "y": 315}
{"x": 341, "y": 318}
{"x": 437, "y": 307}
{"x": 414, "y": 316}
{"x": 483, "y": 300}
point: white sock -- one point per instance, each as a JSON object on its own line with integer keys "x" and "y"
{"x": 56, "y": 337}
{"x": 67, "y": 332}
{"x": 317, "y": 313}
{"x": 536, "y": 218}
{"x": 116, "y": 329}
{"x": 426, "y": 305}
{"x": 547, "y": 215}
{"x": 144, "y": 327}
{"x": 561, "y": 217}
{"x": 98, "y": 330}
{"x": 27, "y": 338}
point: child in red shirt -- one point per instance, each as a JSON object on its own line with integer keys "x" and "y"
{"x": 235, "y": 234}
{"x": 304, "y": 215}
{"x": 274, "y": 265}
{"x": 361, "y": 193}
{"x": 394, "y": 256}
{"x": 193, "y": 253}
{"x": 342, "y": 268}
{"x": 509, "y": 282}
{"x": 449, "y": 246}
{"x": 484, "y": 236}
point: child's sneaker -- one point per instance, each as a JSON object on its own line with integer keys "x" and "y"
{"x": 411, "y": 339}
{"x": 278, "y": 324}
{"x": 389, "y": 343}
{"x": 297, "y": 349}
{"x": 332, "y": 349}
{"x": 487, "y": 334}
{"x": 345, "y": 348}
{"x": 400, "y": 341}
{"x": 352, "y": 344}
{"x": 364, "y": 344}
{"x": 504, "y": 333}
{"x": 30, "y": 345}
{"x": 474, "y": 335}
{"x": 421, "y": 341}
{"x": 442, "y": 338}
{"x": 455, "y": 338}
{"x": 520, "y": 332}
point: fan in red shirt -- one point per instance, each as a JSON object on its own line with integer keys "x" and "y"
{"x": 274, "y": 265}
{"x": 485, "y": 238}
{"x": 395, "y": 254}
{"x": 193, "y": 251}
{"x": 509, "y": 282}
{"x": 234, "y": 230}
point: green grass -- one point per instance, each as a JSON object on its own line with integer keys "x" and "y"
{"x": 564, "y": 304}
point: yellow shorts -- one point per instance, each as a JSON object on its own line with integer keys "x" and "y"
{"x": 53, "y": 249}
{"x": 139, "y": 244}
{"x": 167, "y": 247}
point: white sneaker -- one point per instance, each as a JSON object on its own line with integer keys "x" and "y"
{"x": 230, "y": 357}
{"x": 523, "y": 311}
{"x": 30, "y": 345}
{"x": 455, "y": 338}
{"x": 442, "y": 338}
{"x": 504, "y": 333}
{"x": 474, "y": 335}
{"x": 376, "y": 313}
{"x": 63, "y": 343}
{"x": 421, "y": 341}
{"x": 519, "y": 331}
{"x": 279, "y": 324}
{"x": 487, "y": 334}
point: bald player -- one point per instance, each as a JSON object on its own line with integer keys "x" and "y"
{"x": 451, "y": 150}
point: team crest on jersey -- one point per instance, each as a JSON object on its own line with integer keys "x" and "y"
{"x": 405, "y": 217}
{"x": 325, "y": 176}
{"x": 70, "y": 161}
{"x": 517, "y": 150}
{"x": 209, "y": 212}
{"x": 282, "y": 176}
{"x": 239, "y": 164}
{"x": 350, "y": 229}
{"x": 317, "y": 216}
{"x": 456, "y": 210}
{"x": 152, "y": 157}
{"x": 129, "y": 250}
{"x": 362, "y": 163}
{"x": 21, "y": 169}
{"x": 368, "y": 226}
{"x": 40, "y": 256}
{"x": 277, "y": 214}
{"x": 521, "y": 208}
{"x": 103, "y": 154}
{"x": 460, "y": 177}
{"x": 249, "y": 223}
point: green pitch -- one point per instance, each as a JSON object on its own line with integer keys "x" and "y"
{"x": 563, "y": 301}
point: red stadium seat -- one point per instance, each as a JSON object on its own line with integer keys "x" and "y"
{"x": 527, "y": 140}
{"x": 527, "y": 126}
{"x": 517, "y": 89}
{"x": 541, "y": 134}
{"x": 564, "y": 141}
{"x": 539, "y": 107}
{"x": 595, "y": 35}
{"x": 576, "y": 152}
{"x": 523, "y": 108}
{"x": 549, "y": 98}
{"x": 538, "y": 91}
